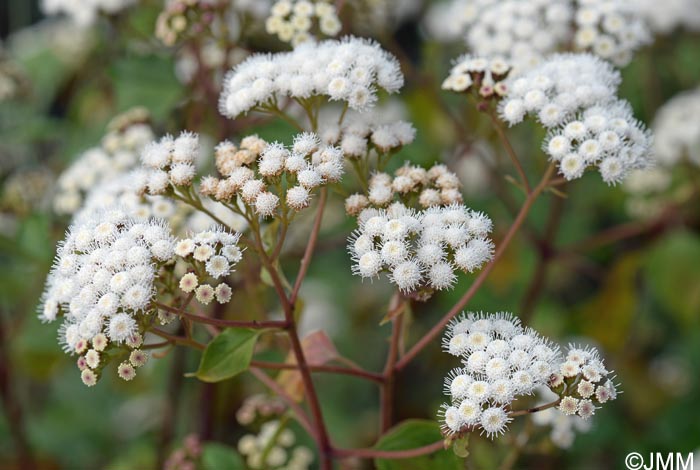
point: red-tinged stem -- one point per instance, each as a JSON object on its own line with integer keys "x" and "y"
{"x": 310, "y": 247}
{"x": 390, "y": 454}
{"x": 324, "y": 442}
{"x": 254, "y": 324}
{"x": 462, "y": 302}
{"x": 312, "y": 397}
{"x": 545, "y": 250}
{"x": 178, "y": 339}
{"x": 546, "y": 406}
{"x": 509, "y": 150}
{"x": 373, "y": 376}
{"x": 301, "y": 416}
{"x": 387, "y": 391}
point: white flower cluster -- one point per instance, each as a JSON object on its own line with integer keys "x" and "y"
{"x": 273, "y": 444}
{"x": 291, "y": 20}
{"x": 348, "y": 70}
{"x": 582, "y": 381}
{"x": 612, "y": 29}
{"x": 182, "y": 17}
{"x": 252, "y": 171}
{"x": 676, "y": 140}
{"x": 437, "y": 186}
{"x": 84, "y": 13}
{"x": 525, "y": 31}
{"x": 604, "y": 136}
{"x": 674, "y": 14}
{"x": 122, "y": 191}
{"x": 574, "y": 95}
{"x": 501, "y": 361}
{"x": 558, "y": 88}
{"x": 102, "y": 282}
{"x": 363, "y": 134}
{"x": 420, "y": 250}
{"x": 521, "y": 31}
{"x": 97, "y": 166}
{"x": 677, "y": 129}
{"x": 169, "y": 161}
{"x": 487, "y": 76}
{"x": 564, "y": 427}
{"x": 211, "y": 253}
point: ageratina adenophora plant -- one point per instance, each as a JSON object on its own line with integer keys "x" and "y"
{"x": 174, "y": 230}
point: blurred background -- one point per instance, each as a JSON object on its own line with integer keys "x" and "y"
{"x": 634, "y": 288}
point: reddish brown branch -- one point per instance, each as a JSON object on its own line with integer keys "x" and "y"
{"x": 321, "y": 368}
{"x": 310, "y": 247}
{"x": 301, "y": 416}
{"x": 387, "y": 391}
{"x": 390, "y": 454}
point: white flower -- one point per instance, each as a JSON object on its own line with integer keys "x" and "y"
{"x": 298, "y": 197}
{"x": 420, "y": 249}
{"x": 502, "y": 361}
{"x": 494, "y": 421}
{"x": 266, "y": 203}
{"x": 204, "y": 294}
{"x": 676, "y": 131}
{"x": 223, "y": 293}
{"x": 121, "y": 326}
{"x": 188, "y": 282}
{"x": 217, "y": 266}
{"x": 323, "y": 80}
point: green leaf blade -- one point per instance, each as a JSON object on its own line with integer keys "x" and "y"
{"x": 227, "y": 355}
{"x": 411, "y": 434}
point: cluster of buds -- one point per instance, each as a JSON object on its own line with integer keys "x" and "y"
{"x": 170, "y": 161}
{"x": 437, "y": 186}
{"x": 90, "y": 362}
{"x": 259, "y": 406}
{"x": 362, "y": 135}
{"x": 186, "y": 457}
{"x": 293, "y": 20}
{"x": 502, "y": 361}
{"x": 99, "y": 166}
{"x": 212, "y": 254}
{"x": 182, "y": 18}
{"x": 484, "y": 77}
{"x": 254, "y": 173}
{"x": 420, "y": 251}
{"x": 272, "y": 448}
{"x": 582, "y": 383}
{"x": 104, "y": 278}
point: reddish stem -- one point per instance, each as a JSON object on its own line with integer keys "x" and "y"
{"x": 321, "y": 368}
{"x": 390, "y": 454}
{"x": 254, "y": 324}
{"x": 509, "y": 150}
{"x": 389, "y": 379}
{"x": 325, "y": 448}
{"x": 310, "y": 247}
{"x": 301, "y": 416}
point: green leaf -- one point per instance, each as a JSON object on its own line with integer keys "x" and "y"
{"x": 227, "y": 355}
{"x": 218, "y": 456}
{"x": 672, "y": 270}
{"x": 411, "y": 434}
{"x": 147, "y": 81}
